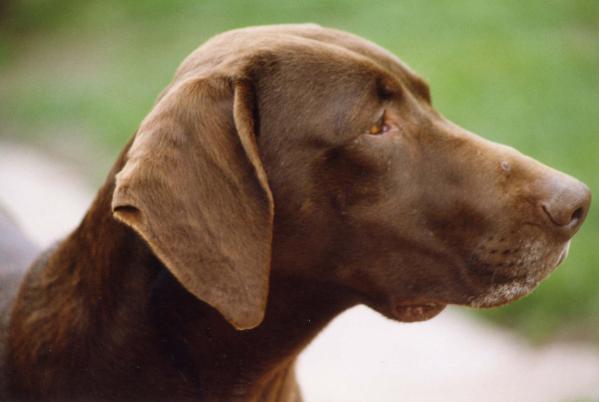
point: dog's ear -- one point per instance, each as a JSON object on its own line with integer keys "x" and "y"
{"x": 193, "y": 186}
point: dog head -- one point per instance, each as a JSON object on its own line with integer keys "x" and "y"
{"x": 320, "y": 153}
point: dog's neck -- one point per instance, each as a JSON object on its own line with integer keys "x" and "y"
{"x": 102, "y": 297}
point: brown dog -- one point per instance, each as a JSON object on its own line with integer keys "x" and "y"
{"x": 286, "y": 174}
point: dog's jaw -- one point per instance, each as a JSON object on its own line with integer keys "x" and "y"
{"x": 501, "y": 292}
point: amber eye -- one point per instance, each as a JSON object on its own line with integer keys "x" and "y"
{"x": 379, "y": 127}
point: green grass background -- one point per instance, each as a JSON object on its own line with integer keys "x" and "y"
{"x": 522, "y": 72}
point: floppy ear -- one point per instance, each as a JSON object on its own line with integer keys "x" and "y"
{"x": 194, "y": 188}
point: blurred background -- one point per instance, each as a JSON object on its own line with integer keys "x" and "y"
{"x": 77, "y": 77}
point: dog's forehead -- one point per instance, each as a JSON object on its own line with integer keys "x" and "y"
{"x": 228, "y": 51}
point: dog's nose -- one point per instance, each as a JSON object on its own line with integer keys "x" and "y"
{"x": 566, "y": 205}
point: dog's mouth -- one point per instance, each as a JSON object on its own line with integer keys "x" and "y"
{"x": 492, "y": 281}
{"x": 416, "y": 312}
{"x": 501, "y": 288}
{"x": 563, "y": 255}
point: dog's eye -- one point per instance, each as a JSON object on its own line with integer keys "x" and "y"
{"x": 380, "y": 127}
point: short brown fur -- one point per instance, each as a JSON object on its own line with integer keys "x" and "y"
{"x": 254, "y": 204}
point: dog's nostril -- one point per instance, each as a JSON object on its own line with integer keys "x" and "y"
{"x": 576, "y": 215}
{"x": 567, "y": 208}
{"x": 565, "y": 219}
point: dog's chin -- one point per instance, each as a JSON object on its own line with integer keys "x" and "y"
{"x": 416, "y": 312}
{"x": 489, "y": 289}
{"x": 508, "y": 291}
{"x": 504, "y": 293}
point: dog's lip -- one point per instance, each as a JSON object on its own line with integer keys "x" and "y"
{"x": 563, "y": 254}
{"x": 413, "y": 312}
